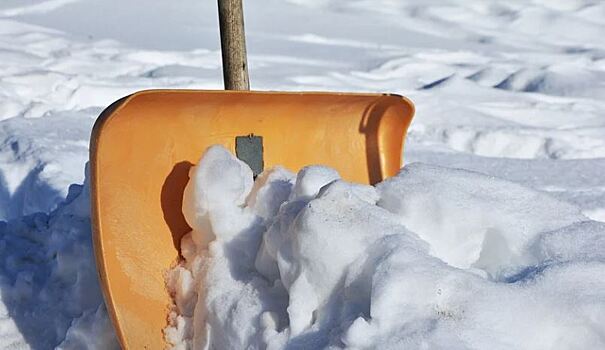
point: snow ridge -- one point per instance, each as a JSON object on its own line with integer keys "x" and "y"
{"x": 433, "y": 257}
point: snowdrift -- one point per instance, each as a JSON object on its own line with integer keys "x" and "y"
{"x": 434, "y": 257}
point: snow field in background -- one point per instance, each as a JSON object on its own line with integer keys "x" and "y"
{"x": 501, "y": 82}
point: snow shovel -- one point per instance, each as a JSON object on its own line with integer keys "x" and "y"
{"x": 143, "y": 146}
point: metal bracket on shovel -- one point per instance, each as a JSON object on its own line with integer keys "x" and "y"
{"x": 249, "y": 149}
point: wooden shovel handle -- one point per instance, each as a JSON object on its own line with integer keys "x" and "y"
{"x": 233, "y": 45}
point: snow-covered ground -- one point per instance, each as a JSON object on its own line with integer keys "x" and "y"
{"x": 514, "y": 89}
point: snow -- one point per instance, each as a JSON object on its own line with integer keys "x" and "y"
{"x": 434, "y": 258}
{"x": 471, "y": 220}
{"x": 48, "y": 282}
{"x": 512, "y": 89}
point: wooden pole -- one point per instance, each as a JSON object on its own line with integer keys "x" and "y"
{"x": 233, "y": 45}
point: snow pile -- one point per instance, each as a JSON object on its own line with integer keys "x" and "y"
{"x": 48, "y": 280}
{"x": 432, "y": 258}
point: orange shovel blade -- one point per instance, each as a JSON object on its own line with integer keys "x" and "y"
{"x": 143, "y": 146}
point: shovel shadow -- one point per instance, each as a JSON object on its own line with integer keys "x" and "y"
{"x": 172, "y": 202}
{"x": 368, "y": 126}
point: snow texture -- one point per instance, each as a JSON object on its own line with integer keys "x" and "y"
{"x": 48, "y": 280}
{"x": 512, "y": 89}
{"x": 434, "y": 258}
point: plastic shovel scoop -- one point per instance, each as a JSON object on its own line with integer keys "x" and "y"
{"x": 143, "y": 146}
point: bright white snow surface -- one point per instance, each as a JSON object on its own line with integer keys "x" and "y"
{"x": 513, "y": 89}
{"x": 433, "y": 258}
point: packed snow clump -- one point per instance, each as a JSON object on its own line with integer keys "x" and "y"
{"x": 431, "y": 258}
